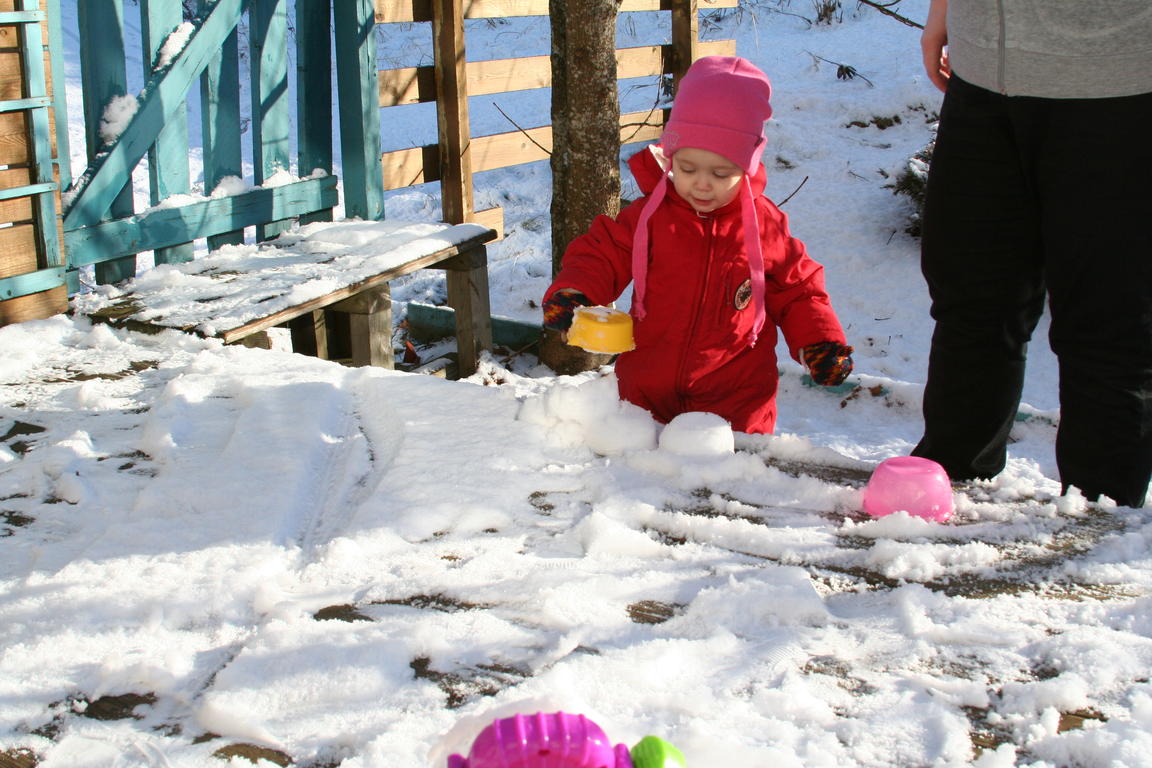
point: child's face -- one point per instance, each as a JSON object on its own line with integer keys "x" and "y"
{"x": 705, "y": 179}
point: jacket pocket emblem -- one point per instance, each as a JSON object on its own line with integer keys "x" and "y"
{"x": 743, "y": 294}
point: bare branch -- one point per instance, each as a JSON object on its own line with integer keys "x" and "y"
{"x": 843, "y": 71}
{"x": 526, "y": 134}
{"x": 884, "y": 10}
{"x": 781, "y": 203}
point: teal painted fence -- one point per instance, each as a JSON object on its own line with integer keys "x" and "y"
{"x": 29, "y": 188}
{"x": 201, "y": 58}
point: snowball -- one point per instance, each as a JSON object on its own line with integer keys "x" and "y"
{"x": 698, "y": 434}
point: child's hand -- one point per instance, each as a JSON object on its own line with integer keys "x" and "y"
{"x": 828, "y": 362}
{"x": 559, "y": 308}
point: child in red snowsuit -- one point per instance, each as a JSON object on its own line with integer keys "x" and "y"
{"x": 715, "y": 272}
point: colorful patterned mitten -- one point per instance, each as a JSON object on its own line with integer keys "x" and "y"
{"x": 559, "y": 308}
{"x": 828, "y": 362}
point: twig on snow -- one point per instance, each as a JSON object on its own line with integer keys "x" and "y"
{"x": 843, "y": 71}
{"x": 781, "y": 203}
{"x": 884, "y": 10}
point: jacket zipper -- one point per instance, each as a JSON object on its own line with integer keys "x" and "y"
{"x": 682, "y": 376}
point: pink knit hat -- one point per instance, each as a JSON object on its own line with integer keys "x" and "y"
{"x": 721, "y": 106}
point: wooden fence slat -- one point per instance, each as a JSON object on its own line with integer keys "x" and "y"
{"x": 406, "y": 85}
{"x": 163, "y": 226}
{"x": 34, "y": 306}
{"x": 504, "y": 149}
{"x": 412, "y": 85}
{"x": 61, "y": 151}
{"x": 168, "y": 157}
{"x": 18, "y": 209}
{"x": 268, "y": 30}
{"x": 13, "y": 146}
{"x": 220, "y": 122}
{"x": 314, "y": 91}
{"x": 18, "y": 249}
{"x": 11, "y": 66}
{"x": 405, "y": 167}
{"x": 27, "y": 283}
{"x": 505, "y": 75}
{"x": 408, "y": 167}
{"x": 359, "y": 118}
{"x": 14, "y": 176}
{"x": 101, "y": 24}
{"x": 271, "y": 122}
{"x": 30, "y": 13}
{"x": 26, "y": 191}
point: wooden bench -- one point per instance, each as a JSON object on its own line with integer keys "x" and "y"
{"x": 238, "y": 292}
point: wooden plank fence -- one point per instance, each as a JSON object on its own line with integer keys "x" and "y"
{"x": 100, "y": 225}
{"x": 201, "y": 58}
{"x": 452, "y": 79}
{"x": 31, "y": 264}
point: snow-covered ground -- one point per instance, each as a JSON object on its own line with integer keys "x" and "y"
{"x": 209, "y": 551}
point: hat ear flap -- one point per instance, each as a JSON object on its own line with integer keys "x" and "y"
{"x": 640, "y": 245}
{"x": 755, "y": 258}
{"x": 757, "y": 155}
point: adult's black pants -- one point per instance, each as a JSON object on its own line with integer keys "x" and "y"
{"x": 1030, "y": 197}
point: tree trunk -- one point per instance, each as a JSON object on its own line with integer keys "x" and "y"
{"x": 585, "y": 142}
{"x": 585, "y": 118}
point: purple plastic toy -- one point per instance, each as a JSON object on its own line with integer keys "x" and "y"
{"x": 543, "y": 741}
{"x": 918, "y": 486}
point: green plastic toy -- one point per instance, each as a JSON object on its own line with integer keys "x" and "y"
{"x": 654, "y": 752}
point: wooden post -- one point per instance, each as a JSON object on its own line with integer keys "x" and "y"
{"x": 310, "y": 334}
{"x": 370, "y": 320}
{"x": 468, "y": 295}
{"x": 452, "y": 111}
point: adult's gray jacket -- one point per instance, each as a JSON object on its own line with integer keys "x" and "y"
{"x": 1053, "y": 48}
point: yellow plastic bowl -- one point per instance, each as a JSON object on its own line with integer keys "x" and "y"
{"x": 604, "y": 330}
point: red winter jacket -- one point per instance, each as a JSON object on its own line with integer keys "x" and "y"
{"x": 692, "y": 352}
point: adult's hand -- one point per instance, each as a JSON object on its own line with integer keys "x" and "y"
{"x": 934, "y": 45}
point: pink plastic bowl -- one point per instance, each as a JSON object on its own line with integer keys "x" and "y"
{"x": 918, "y": 486}
{"x": 558, "y": 740}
